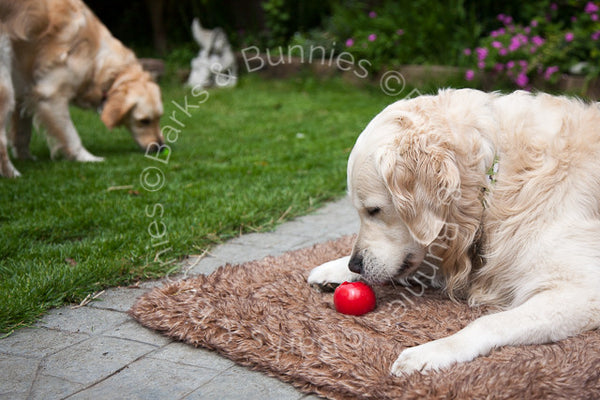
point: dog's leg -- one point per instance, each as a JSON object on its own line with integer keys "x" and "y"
{"x": 7, "y": 169}
{"x": 546, "y": 317}
{"x": 63, "y": 137}
{"x": 329, "y": 275}
{"x": 20, "y": 132}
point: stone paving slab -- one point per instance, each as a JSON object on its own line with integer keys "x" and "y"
{"x": 99, "y": 352}
{"x": 39, "y": 342}
{"x": 182, "y": 353}
{"x": 239, "y": 383}
{"x": 150, "y": 378}
{"x": 88, "y": 320}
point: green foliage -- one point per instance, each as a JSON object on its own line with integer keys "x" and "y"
{"x": 245, "y": 159}
{"x": 276, "y": 20}
{"x": 404, "y": 32}
{"x": 558, "y": 38}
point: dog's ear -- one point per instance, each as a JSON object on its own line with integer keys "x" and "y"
{"x": 420, "y": 171}
{"x": 117, "y": 105}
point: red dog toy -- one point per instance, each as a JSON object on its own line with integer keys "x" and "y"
{"x": 354, "y": 298}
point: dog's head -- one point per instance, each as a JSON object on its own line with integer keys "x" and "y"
{"x": 405, "y": 180}
{"x": 134, "y": 100}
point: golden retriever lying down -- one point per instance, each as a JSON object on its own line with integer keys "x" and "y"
{"x": 526, "y": 239}
{"x": 63, "y": 54}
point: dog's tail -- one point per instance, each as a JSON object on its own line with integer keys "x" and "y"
{"x": 23, "y": 19}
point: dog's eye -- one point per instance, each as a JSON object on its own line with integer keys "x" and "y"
{"x": 145, "y": 121}
{"x": 373, "y": 211}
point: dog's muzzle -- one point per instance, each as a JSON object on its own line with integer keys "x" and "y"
{"x": 357, "y": 264}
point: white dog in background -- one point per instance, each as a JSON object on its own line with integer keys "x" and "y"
{"x": 215, "y": 64}
{"x": 526, "y": 239}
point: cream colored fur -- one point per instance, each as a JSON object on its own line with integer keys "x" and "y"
{"x": 529, "y": 243}
{"x": 62, "y": 55}
{"x": 7, "y": 104}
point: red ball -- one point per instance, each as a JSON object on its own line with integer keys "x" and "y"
{"x": 354, "y": 298}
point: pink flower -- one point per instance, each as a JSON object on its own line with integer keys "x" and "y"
{"x": 573, "y": 19}
{"x": 537, "y": 40}
{"x": 510, "y": 64}
{"x": 372, "y": 37}
{"x": 554, "y": 6}
{"x": 482, "y": 53}
{"x": 469, "y": 75}
{"x": 595, "y": 36}
{"x": 550, "y": 71}
{"x": 534, "y": 23}
{"x": 515, "y": 43}
{"x": 522, "y": 80}
{"x": 594, "y": 17}
{"x": 349, "y": 42}
{"x": 569, "y": 36}
{"x": 505, "y": 19}
{"x": 591, "y": 8}
{"x": 400, "y": 32}
{"x": 481, "y": 64}
{"x": 503, "y": 51}
{"x": 498, "y": 67}
{"x": 467, "y": 52}
{"x": 372, "y": 14}
{"x": 523, "y": 64}
{"x": 496, "y": 44}
{"x": 497, "y": 32}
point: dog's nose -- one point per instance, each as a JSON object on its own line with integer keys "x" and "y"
{"x": 356, "y": 264}
{"x": 155, "y": 147}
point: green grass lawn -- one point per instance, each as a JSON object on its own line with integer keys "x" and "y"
{"x": 243, "y": 160}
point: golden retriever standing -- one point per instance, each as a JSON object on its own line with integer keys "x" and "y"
{"x": 7, "y": 103}
{"x": 12, "y": 24}
{"x": 68, "y": 56}
{"x": 526, "y": 238}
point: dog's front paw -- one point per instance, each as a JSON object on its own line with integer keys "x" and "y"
{"x": 85, "y": 156}
{"x": 7, "y": 170}
{"x": 328, "y": 276}
{"x": 22, "y": 153}
{"x": 431, "y": 356}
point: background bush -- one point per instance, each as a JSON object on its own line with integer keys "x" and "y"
{"x": 437, "y": 26}
{"x": 555, "y": 38}
{"x": 386, "y": 33}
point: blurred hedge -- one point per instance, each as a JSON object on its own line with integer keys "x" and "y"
{"x": 269, "y": 23}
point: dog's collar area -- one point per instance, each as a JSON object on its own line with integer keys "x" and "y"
{"x": 492, "y": 171}
{"x": 491, "y": 180}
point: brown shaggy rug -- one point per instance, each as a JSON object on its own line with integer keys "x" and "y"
{"x": 263, "y": 315}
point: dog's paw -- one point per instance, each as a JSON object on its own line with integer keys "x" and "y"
{"x": 431, "y": 356}
{"x": 9, "y": 171}
{"x": 328, "y": 276}
{"x": 85, "y": 156}
{"x": 23, "y": 154}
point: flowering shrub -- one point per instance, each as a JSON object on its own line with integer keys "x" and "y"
{"x": 388, "y": 33}
{"x": 565, "y": 39}
{"x": 373, "y": 35}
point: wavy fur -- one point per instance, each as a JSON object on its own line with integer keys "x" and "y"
{"x": 528, "y": 244}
